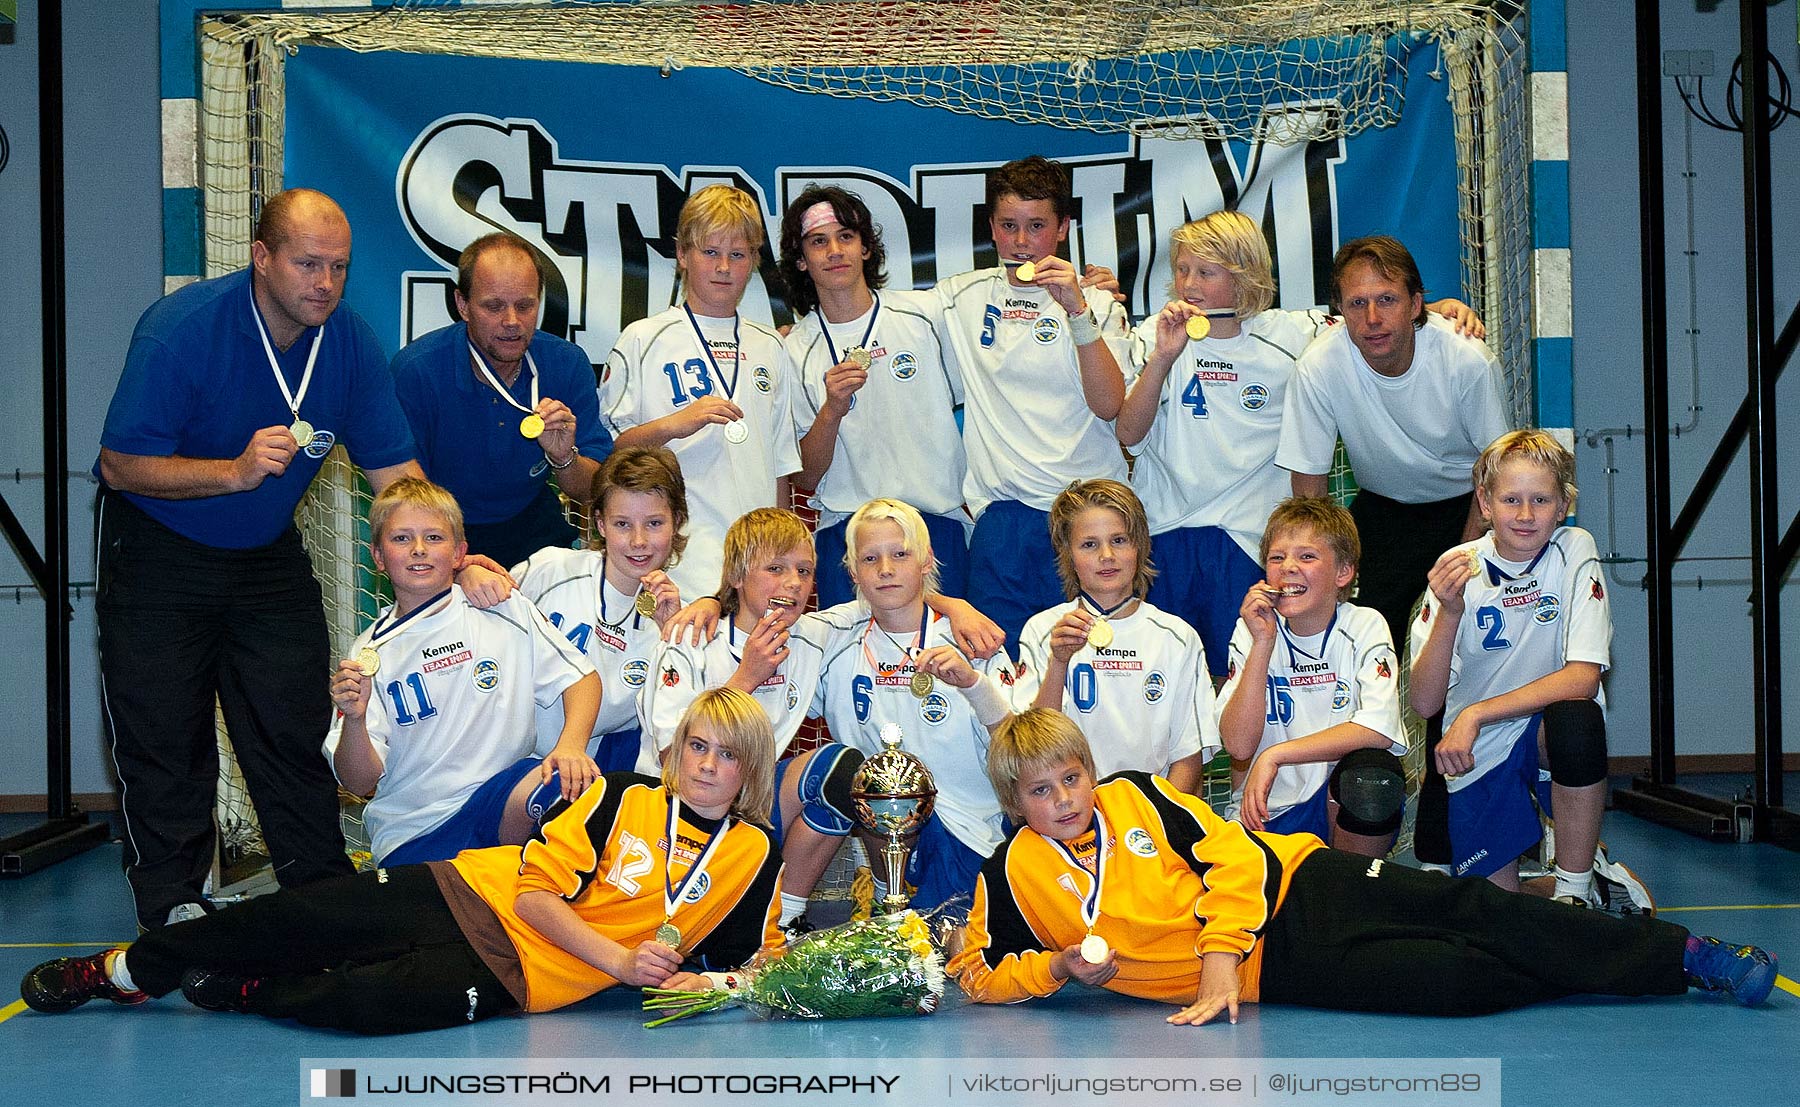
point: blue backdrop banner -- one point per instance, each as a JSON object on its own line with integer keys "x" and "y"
{"x": 591, "y": 163}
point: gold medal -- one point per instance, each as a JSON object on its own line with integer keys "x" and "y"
{"x": 1100, "y": 635}
{"x": 858, "y": 356}
{"x": 1198, "y": 327}
{"x": 302, "y": 431}
{"x": 669, "y": 935}
{"x": 1028, "y": 272}
{"x": 532, "y": 425}
{"x": 645, "y": 604}
{"x": 921, "y": 683}
{"x": 1474, "y": 563}
{"x": 736, "y": 432}
{"x": 368, "y": 661}
{"x": 1094, "y": 949}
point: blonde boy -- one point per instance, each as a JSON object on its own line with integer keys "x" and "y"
{"x": 436, "y": 701}
{"x": 1510, "y": 645}
{"x": 711, "y": 385}
{"x": 1311, "y": 702}
{"x": 767, "y": 647}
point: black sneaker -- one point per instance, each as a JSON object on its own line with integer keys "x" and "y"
{"x": 797, "y": 926}
{"x": 68, "y": 982}
{"x": 219, "y": 991}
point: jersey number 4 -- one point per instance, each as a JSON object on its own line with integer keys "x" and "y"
{"x": 1193, "y": 397}
{"x": 680, "y": 390}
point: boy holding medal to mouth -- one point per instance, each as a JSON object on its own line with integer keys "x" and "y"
{"x": 436, "y": 700}
{"x": 1133, "y": 886}
{"x": 1133, "y": 674}
{"x": 890, "y": 659}
{"x": 1312, "y": 701}
{"x": 766, "y": 646}
{"x": 714, "y": 387}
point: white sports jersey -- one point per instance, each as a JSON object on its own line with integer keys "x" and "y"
{"x": 1519, "y": 623}
{"x": 682, "y": 671}
{"x": 1145, "y": 702}
{"x": 452, "y": 705}
{"x": 659, "y": 367}
{"x": 857, "y": 696}
{"x": 900, "y": 439}
{"x": 1347, "y": 673}
{"x": 1412, "y": 438}
{"x": 1026, "y": 425}
{"x": 569, "y": 587}
{"x": 1209, "y": 459}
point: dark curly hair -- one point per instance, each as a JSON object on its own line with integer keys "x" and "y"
{"x": 852, "y": 213}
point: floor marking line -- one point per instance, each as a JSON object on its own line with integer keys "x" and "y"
{"x": 60, "y": 945}
{"x": 1781, "y": 982}
{"x": 1731, "y": 907}
{"x": 9, "y": 1011}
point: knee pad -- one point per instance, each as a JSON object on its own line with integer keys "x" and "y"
{"x": 825, "y": 801}
{"x": 1575, "y": 739}
{"x": 1370, "y": 789}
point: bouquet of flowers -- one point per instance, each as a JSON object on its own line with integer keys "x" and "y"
{"x": 887, "y": 965}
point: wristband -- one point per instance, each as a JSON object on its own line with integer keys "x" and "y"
{"x": 1084, "y": 328}
{"x": 986, "y": 702}
{"x": 574, "y": 452}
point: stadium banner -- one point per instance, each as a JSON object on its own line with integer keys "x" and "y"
{"x": 591, "y": 163}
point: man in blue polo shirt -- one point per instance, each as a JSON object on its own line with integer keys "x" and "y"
{"x": 499, "y": 408}
{"x": 234, "y": 390}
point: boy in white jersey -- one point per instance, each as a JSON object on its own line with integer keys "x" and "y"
{"x": 1041, "y": 382}
{"x": 1510, "y": 644}
{"x": 1205, "y": 436}
{"x": 878, "y": 387}
{"x": 1312, "y": 701}
{"x": 890, "y": 659}
{"x": 712, "y": 386}
{"x": 435, "y": 703}
{"x": 767, "y": 647}
{"x": 1132, "y": 675}
{"x": 612, "y": 603}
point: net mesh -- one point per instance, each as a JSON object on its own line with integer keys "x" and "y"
{"x": 1188, "y": 69}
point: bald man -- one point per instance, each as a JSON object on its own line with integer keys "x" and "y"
{"x": 234, "y": 390}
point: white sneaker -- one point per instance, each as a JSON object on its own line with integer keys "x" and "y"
{"x": 1619, "y": 889}
{"x": 185, "y": 912}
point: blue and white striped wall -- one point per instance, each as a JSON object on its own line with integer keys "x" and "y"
{"x": 1551, "y": 342}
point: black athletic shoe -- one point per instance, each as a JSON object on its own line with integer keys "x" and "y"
{"x": 219, "y": 991}
{"x": 68, "y": 982}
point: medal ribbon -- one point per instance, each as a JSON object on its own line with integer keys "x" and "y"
{"x": 636, "y": 620}
{"x": 1103, "y": 611}
{"x": 1090, "y": 904}
{"x": 493, "y": 379}
{"x": 1496, "y": 575}
{"x": 737, "y": 364}
{"x": 909, "y": 651}
{"x": 825, "y": 325}
{"x": 672, "y": 892}
{"x": 293, "y": 399}
{"x": 378, "y": 632}
{"x": 1295, "y": 653}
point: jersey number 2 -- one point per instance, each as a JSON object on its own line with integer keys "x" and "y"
{"x": 1491, "y": 620}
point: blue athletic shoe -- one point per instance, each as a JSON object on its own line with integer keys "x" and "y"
{"x": 1745, "y": 973}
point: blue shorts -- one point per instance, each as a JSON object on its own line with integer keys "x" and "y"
{"x": 940, "y": 866}
{"x": 1495, "y": 819}
{"x": 1310, "y": 816}
{"x": 617, "y": 752}
{"x": 476, "y": 826}
{"x": 949, "y": 544}
{"x": 1202, "y": 575}
{"x": 1012, "y": 566}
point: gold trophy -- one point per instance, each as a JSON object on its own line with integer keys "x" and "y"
{"x": 893, "y": 795}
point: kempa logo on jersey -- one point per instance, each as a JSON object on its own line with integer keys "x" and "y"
{"x": 465, "y": 175}
{"x": 1520, "y": 593}
{"x": 450, "y": 662}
